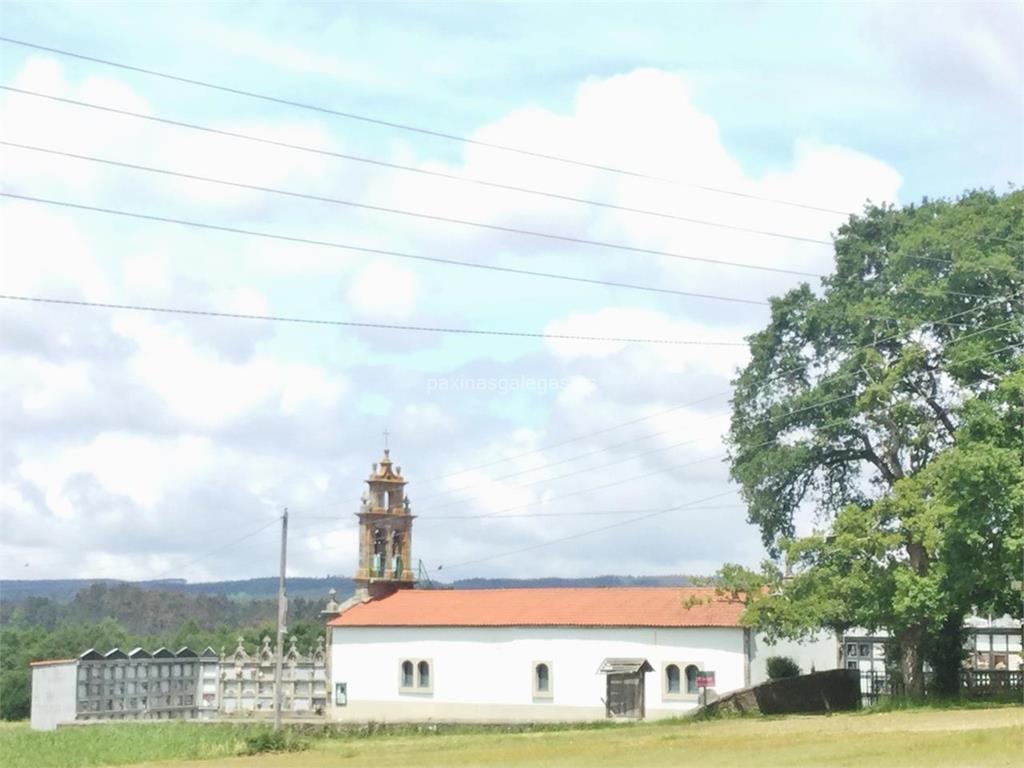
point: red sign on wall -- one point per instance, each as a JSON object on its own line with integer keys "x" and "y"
{"x": 705, "y": 679}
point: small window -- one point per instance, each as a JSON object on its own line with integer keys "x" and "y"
{"x": 543, "y": 680}
{"x": 865, "y": 649}
{"x": 691, "y": 679}
{"x": 851, "y": 649}
{"x": 423, "y": 674}
{"x": 407, "y": 674}
{"x": 672, "y": 679}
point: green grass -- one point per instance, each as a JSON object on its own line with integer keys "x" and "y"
{"x": 903, "y": 703}
{"x": 124, "y": 743}
{"x": 923, "y": 738}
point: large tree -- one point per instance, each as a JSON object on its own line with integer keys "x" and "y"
{"x": 856, "y": 390}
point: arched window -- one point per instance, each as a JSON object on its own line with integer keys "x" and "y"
{"x": 423, "y": 670}
{"x": 691, "y": 679}
{"x": 672, "y": 679}
{"x": 543, "y": 678}
{"x": 407, "y": 674}
{"x": 379, "y": 551}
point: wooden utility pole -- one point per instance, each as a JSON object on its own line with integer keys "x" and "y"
{"x": 282, "y": 615}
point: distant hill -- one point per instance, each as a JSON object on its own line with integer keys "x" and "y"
{"x": 64, "y": 590}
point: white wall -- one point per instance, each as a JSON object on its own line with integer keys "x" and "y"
{"x": 819, "y": 653}
{"x": 53, "y": 694}
{"x": 482, "y": 673}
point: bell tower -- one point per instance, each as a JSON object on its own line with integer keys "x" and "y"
{"x": 385, "y": 533}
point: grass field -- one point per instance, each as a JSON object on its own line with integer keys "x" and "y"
{"x": 926, "y": 738}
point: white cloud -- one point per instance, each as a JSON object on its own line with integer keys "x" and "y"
{"x": 383, "y": 290}
{"x": 215, "y": 418}
{"x": 48, "y": 254}
{"x": 143, "y": 469}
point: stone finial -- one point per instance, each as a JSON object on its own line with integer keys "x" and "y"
{"x": 333, "y": 606}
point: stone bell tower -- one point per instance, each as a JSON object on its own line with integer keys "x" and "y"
{"x": 385, "y": 533}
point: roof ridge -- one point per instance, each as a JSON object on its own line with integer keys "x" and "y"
{"x": 596, "y": 587}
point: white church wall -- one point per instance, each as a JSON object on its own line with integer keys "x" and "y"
{"x": 53, "y": 694}
{"x": 486, "y": 673}
{"x": 818, "y": 653}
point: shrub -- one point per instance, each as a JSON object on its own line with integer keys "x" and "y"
{"x": 267, "y": 740}
{"x": 782, "y": 666}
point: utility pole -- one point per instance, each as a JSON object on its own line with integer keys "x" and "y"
{"x": 282, "y": 614}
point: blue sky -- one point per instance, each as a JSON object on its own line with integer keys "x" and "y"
{"x": 113, "y": 416}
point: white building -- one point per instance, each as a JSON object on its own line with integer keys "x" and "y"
{"x": 182, "y": 685}
{"x": 398, "y": 653}
{"x": 537, "y": 654}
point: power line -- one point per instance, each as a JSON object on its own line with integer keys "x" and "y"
{"x": 394, "y": 166}
{"x": 431, "y": 217}
{"x": 620, "y": 444}
{"x": 403, "y": 255}
{"x": 380, "y": 251}
{"x": 605, "y": 449}
{"x": 662, "y": 413}
{"x": 631, "y": 422}
{"x": 588, "y": 532}
{"x": 215, "y": 551}
{"x": 551, "y": 446}
{"x": 631, "y": 457}
{"x": 355, "y": 324}
{"x": 581, "y": 534}
{"x": 90, "y": 208}
{"x": 601, "y": 487}
{"x": 780, "y": 417}
{"x": 524, "y": 515}
{"x": 462, "y": 178}
{"x": 419, "y": 130}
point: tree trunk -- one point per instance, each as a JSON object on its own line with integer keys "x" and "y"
{"x": 946, "y": 654}
{"x": 912, "y": 662}
{"x": 913, "y": 641}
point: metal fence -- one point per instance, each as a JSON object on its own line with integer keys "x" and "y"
{"x": 974, "y": 684}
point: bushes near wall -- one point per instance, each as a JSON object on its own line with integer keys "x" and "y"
{"x": 781, "y": 666}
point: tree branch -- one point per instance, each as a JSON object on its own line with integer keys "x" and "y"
{"x": 871, "y": 455}
{"x": 933, "y": 403}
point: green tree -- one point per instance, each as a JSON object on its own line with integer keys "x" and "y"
{"x": 875, "y": 404}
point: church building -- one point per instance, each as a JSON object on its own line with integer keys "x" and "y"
{"x": 400, "y": 653}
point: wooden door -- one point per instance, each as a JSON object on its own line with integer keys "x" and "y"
{"x": 625, "y": 697}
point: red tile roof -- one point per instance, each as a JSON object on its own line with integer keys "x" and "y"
{"x": 583, "y": 607}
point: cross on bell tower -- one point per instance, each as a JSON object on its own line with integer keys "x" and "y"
{"x": 385, "y": 532}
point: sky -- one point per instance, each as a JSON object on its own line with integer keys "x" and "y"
{"x": 140, "y": 445}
